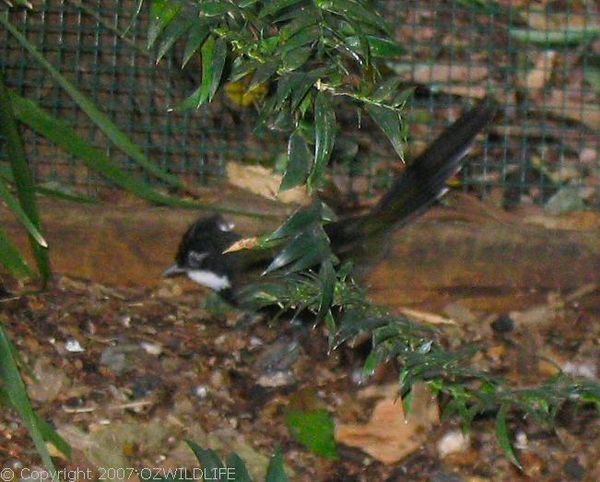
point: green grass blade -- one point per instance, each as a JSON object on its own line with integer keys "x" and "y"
{"x": 23, "y": 177}
{"x": 12, "y": 259}
{"x": 50, "y": 188}
{"x": 17, "y": 394}
{"x": 65, "y": 137}
{"x": 15, "y": 207}
{"x": 504, "y": 437}
{"x": 101, "y": 120}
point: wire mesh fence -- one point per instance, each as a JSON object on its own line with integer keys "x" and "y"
{"x": 542, "y": 63}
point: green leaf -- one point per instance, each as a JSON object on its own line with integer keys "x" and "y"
{"x": 301, "y": 220}
{"x": 299, "y": 162}
{"x": 235, "y": 462}
{"x": 296, "y": 58}
{"x": 162, "y": 13}
{"x": 325, "y": 126}
{"x": 276, "y": 469}
{"x": 275, "y": 6}
{"x": 218, "y": 63}
{"x": 208, "y": 459}
{"x": 315, "y": 430}
{"x": 101, "y": 120}
{"x": 198, "y": 33}
{"x": 504, "y": 437}
{"x": 378, "y": 46}
{"x": 389, "y": 122}
{"x": 23, "y": 178}
{"x": 11, "y": 258}
{"x": 176, "y": 29}
{"x": 63, "y": 136}
{"x": 385, "y": 89}
{"x": 21, "y": 215}
{"x": 355, "y": 11}
{"x": 327, "y": 280}
{"x": 216, "y": 8}
{"x": 263, "y": 73}
{"x": 17, "y": 394}
{"x": 307, "y": 249}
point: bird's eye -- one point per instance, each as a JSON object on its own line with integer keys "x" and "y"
{"x": 195, "y": 258}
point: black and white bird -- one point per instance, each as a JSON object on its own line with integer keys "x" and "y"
{"x": 201, "y": 253}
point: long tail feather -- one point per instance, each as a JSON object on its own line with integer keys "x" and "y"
{"x": 420, "y": 184}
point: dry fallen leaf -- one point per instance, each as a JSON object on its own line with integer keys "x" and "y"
{"x": 390, "y": 436}
{"x": 264, "y": 182}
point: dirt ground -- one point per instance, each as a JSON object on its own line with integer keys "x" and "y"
{"x": 127, "y": 374}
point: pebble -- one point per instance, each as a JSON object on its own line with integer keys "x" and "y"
{"x": 453, "y": 442}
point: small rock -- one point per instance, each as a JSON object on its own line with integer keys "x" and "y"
{"x": 151, "y": 348}
{"x": 73, "y": 346}
{"x": 503, "y": 324}
{"x": 280, "y": 356}
{"x": 276, "y": 379}
{"x": 201, "y": 391}
{"x": 453, "y": 442}
{"x": 573, "y": 469}
{"x": 446, "y": 477}
{"x": 145, "y": 386}
{"x": 585, "y": 370}
{"x": 116, "y": 357}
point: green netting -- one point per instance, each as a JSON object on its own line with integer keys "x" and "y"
{"x": 542, "y": 63}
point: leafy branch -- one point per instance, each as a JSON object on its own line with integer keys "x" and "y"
{"x": 297, "y": 56}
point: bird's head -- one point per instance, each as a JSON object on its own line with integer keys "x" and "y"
{"x": 200, "y": 254}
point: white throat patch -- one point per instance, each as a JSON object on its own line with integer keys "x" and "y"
{"x": 209, "y": 279}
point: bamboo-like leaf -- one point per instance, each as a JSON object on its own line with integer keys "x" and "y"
{"x": 235, "y": 462}
{"x": 216, "y": 8}
{"x": 11, "y": 258}
{"x": 355, "y": 11}
{"x": 162, "y": 13}
{"x": 504, "y": 437}
{"x": 62, "y": 135}
{"x": 216, "y": 69}
{"x": 262, "y": 74}
{"x": 389, "y": 122}
{"x": 50, "y": 188}
{"x": 306, "y": 250}
{"x": 274, "y": 7}
{"x": 175, "y": 30}
{"x": 21, "y": 215}
{"x": 301, "y": 220}
{"x": 378, "y": 46}
{"x": 17, "y": 394}
{"x": 324, "y": 139}
{"x": 208, "y": 458}
{"x": 299, "y": 162}
{"x": 276, "y": 468}
{"x": 101, "y": 120}
{"x": 198, "y": 33}
{"x": 23, "y": 178}
{"x": 327, "y": 282}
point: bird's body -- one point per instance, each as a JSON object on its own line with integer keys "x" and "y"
{"x": 201, "y": 252}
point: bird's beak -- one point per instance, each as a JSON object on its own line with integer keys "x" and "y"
{"x": 173, "y": 270}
